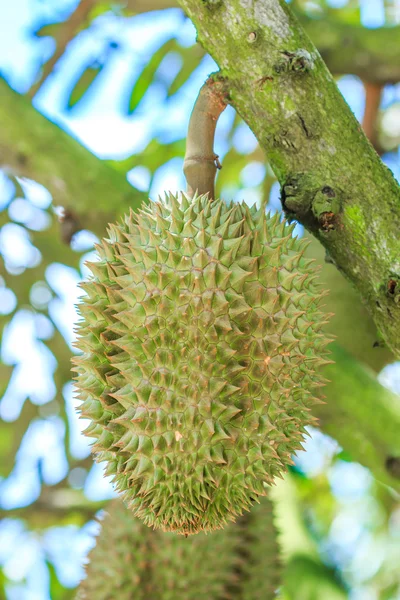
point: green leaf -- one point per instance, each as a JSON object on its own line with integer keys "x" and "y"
{"x": 147, "y": 75}
{"x": 155, "y": 155}
{"x": 48, "y": 30}
{"x": 307, "y": 579}
{"x": 11, "y": 434}
{"x": 57, "y": 590}
{"x": 349, "y": 14}
{"x": 84, "y": 83}
{"x": 191, "y": 57}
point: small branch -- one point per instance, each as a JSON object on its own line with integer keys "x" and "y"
{"x": 54, "y": 505}
{"x": 373, "y": 95}
{"x": 69, "y": 225}
{"x": 201, "y": 163}
{"x": 68, "y": 30}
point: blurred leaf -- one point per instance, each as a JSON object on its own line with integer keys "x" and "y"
{"x": 147, "y": 75}
{"x": 390, "y": 592}
{"x": 344, "y": 455}
{"x": 51, "y": 30}
{"x": 2, "y": 586}
{"x": 349, "y": 14}
{"x": 5, "y": 374}
{"x": 83, "y": 83}
{"x": 307, "y": 579}
{"x": 57, "y": 590}
{"x": 11, "y": 435}
{"x": 191, "y": 57}
{"x": 153, "y": 156}
{"x": 100, "y": 8}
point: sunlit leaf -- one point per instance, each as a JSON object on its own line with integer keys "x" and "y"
{"x": 57, "y": 590}
{"x": 147, "y": 75}
{"x": 191, "y": 57}
{"x": 84, "y": 82}
{"x": 51, "y": 30}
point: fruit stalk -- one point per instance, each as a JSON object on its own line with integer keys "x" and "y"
{"x": 201, "y": 163}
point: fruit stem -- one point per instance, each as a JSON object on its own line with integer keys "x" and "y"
{"x": 201, "y": 162}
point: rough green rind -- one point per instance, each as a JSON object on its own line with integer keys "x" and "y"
{"x": 132, "y": 562}
{"x": 332, "y": 179}
{"x": 260, "y": 571}
{"x": 201, "y": 336}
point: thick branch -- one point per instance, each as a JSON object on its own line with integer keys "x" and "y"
{"x": 33, "y": 147}
{"x": 351, "y": 415}
{"x": 332, "y": 179}
{"x": 201, "y": 162}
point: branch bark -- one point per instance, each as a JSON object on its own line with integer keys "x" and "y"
{"x": 350, "y": 416}
{"x": 67, "y": 32}
{"x": 33, "y": 147}
{"x": 332, "y": 179}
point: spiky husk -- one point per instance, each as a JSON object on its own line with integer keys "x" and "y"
{"x": 132, "y": 562}
{"x": 201, "y": 335}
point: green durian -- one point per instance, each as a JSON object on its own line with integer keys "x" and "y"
{"x": 201, "y": 339}
{"x": 132, "y": 562}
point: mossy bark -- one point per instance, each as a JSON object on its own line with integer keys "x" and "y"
{"x": 332, "y": 179}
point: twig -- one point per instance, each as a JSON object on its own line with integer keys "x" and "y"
{"x": 68, "y": 31}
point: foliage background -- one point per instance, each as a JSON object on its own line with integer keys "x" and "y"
{"x": 124, "y": 85}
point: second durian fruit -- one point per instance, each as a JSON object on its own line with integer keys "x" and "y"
{"x": 131, "y": 562}
{"x": 201, "y": 341}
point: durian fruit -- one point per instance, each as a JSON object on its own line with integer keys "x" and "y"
{"x": 132, "y": 562}
{"x": 201, "y": 338}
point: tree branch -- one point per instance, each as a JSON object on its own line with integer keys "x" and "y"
{"x": 67, "y": 31}
{"x": 332, "y": 179}
{"x": 53, "y": 505}
{"x": 351, "y": 416}
{"x": 33, "y": 147}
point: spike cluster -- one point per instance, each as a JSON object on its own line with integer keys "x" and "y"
{"x": 132, "y": 562}
{"x": 201, "y": 335}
